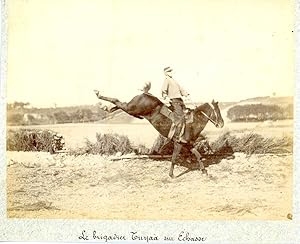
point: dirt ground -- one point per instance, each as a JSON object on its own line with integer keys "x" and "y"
{"x": 40, "y": 185}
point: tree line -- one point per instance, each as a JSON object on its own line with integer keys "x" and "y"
{"x": 260, "y": 112}
{"x": 19, "y": 113}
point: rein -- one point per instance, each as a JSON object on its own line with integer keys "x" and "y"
{"x": 210, "y": 119}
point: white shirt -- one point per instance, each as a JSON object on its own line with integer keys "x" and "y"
{"x": 172, "y": 88}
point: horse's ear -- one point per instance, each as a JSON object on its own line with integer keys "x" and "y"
{"x": 213, "y": 102}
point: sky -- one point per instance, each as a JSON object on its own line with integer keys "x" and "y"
{"x": 59, "y": 51}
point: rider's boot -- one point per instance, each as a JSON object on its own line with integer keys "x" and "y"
{"x": 181, "y": 135}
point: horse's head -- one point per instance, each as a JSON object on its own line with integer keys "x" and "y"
{"x": 218, "y": 121}
{"x": 211, "y": 113}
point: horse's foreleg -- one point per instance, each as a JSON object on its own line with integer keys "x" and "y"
{"x": 176, "y": 151}
{"x": 198, "y": 156}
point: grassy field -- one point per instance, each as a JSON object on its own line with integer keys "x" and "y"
{"x": 144, "y": 133}
{"x": 243, "y": 187}
{"x": 40, "y": 185}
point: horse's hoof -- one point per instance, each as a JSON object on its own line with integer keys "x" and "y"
{"x": 204, "y": 171}
{"x": 171, "y": 175}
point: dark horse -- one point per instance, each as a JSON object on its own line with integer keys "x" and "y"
{"x": 149, "y": 107}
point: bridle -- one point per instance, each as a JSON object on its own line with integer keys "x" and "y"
{"x": 210, "y": 119}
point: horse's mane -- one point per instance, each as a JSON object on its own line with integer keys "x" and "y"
{"x": 202, "y": 107}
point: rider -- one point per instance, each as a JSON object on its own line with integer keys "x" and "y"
{"x": 175, "y": 92}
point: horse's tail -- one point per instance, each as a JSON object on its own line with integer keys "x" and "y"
{"x": 146, "y": 87}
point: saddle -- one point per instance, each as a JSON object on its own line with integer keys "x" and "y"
{"x": 177, "y": 130}
{"x": 188, "y": 115}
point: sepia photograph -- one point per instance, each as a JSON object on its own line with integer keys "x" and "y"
{"x": 137, "y": 110}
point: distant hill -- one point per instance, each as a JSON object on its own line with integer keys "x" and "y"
{"x": 18, "y": 114}
{"x": 280, "y": 101}
{"x": 267, "y": 100}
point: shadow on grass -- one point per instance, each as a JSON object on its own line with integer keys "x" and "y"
{"x": 189, "y": 161}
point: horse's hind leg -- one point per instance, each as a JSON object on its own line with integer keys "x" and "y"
{"x": 129, "y": 108}
{"x": 198, "y": 156}
{"x": 115, "y": 101}
{"x": 113, "y": 109}
{"x": 177, "y": 149}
